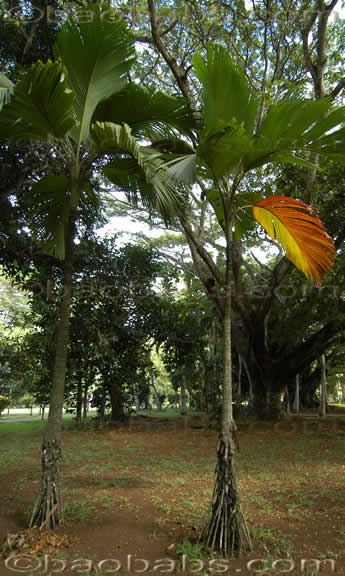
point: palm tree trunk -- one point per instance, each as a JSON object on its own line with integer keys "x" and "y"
{"x": 225, "y": 529}
{"x": 48, "y": 509}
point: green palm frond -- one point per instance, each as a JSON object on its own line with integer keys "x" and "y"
{"x": 289, "y": 131}
{"x": 227, "y": 99}
{"x": 160, "y": 191}
{"x": 50, "y": 213}
{"x": 148, "y": 113}
{"x": 97, "y": 54}
{"x": 6, "y": 89}
{"x": 40, "y": 106}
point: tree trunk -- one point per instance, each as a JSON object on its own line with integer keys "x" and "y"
{"x": 323, "y": 388}
{"x": 202, "y": 403}
{"x": 85, "y": 401}
{"x": 116, "y": 402}
{"x": 296, "y": 400}
{"x": 225, "y": 529}
{"x": 48, "y": 509}
{"x": 102, "y": 409}
{"x": 250, "y": 380}
{"x": 156, "y": 396}
{"x": 136, "y": 398}
{"x": 287, "y": 400}
{"x": 79, "y": 399}
{"x": 183, "y": 408}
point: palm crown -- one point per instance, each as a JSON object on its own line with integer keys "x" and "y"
{"x": 81, "y": 104}
{"x": 231, "y": 144}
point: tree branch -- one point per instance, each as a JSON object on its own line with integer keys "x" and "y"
{"x": 178, "y": 72}
{"x": 204, "y": 255}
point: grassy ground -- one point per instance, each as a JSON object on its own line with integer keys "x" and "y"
{"x": 145, "y": 489}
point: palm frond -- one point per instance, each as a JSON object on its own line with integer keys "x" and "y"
{"x": 299, "y": 231}
{"x": 40, "y": 105}
{"x": 50, "y": 213}
{"x": 148, "y": 113}
{"x": 160, "y": 191}
{"x": 227, "y": 98}
{"x": 97, "y": 54}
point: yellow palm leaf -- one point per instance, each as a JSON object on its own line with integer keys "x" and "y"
{"x": 299, "y": 231}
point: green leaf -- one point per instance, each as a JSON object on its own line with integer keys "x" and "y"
{"x": 182, "y": 168}
{"x": 244, "y": 221}
{"x": 215, "y": 198}
{"x": 160, "y": 191}
{"x": 40, "y": 106}
{"x": 227, "y": 98}
{"x": 51, "y": 209}
{"x": 147, "y": 112}
{"x": 289, "y": 127}
{"x": 223, "y": 152}
{"x": 98, "y": 54}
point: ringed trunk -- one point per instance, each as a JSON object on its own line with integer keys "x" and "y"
{"x": 48, "y": 509}
{"x": 225, "y": 529}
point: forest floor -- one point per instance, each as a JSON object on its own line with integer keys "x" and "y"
{"x": 142, "y": 491}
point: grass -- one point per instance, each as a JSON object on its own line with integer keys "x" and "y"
{"x": 170, "y": 475}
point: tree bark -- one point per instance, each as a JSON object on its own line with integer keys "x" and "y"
{"x": 50, "y": 489}
{"x": 136, "y": 398}
{"x": 225, "y": 529}
{"x": 79, "y": 399}
{"x": 296, "y": 400}
{"x": 102, "y": 409}
{"x": 116, "y": 402}
{"x": 85, "y": 401}
{"x": 323, "y": 388}
{"x": 156, "y": 395}
{"x": 183, "y": 408}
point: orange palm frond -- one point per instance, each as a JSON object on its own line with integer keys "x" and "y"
{"x": 300, "y": 232}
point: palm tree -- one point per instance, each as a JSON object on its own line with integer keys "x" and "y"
{"x": 231, "y": 143}
{"x": 62, "y": 103}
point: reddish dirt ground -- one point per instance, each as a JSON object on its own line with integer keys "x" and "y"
{"x": 141, "y": 491}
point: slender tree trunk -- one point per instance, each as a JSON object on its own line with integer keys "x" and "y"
{"x": 156, "y": 395}
{"x": 323, "y": 388}
{"x": 250, "y": 380}
{"x": 136, "y": 398}
{"x": 225, "y": 529}
{"x": 85, "y": 401}
{"x": 48, "y": 509}
{"x": 203, "y": 388}
{"x": 183, "y": 408}
{"x": 296, "y": 400}
{"x": 102, "y": 409}
{"x": 287, "y": 400}
{"x": 79, "y": 399}
{"x": 239, "y": 383}
{"x": 43, "y": 410}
